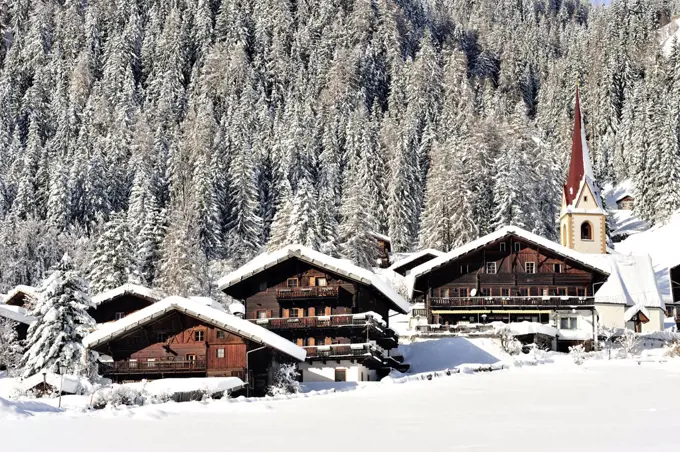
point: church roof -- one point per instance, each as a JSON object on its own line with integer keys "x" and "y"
{"x": 580, "y": 167}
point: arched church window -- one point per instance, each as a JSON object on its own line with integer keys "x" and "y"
{"x": 586, "y": 231}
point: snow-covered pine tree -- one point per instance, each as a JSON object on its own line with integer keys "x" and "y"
{"x": 112, "y": 261}
{"x": 54, "y": 341}
{"x": 11, "y": 349}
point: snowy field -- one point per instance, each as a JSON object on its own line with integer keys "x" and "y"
{"x": 601, "y": 406}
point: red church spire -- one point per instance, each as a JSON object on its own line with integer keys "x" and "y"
{"x": 580, "y": 156}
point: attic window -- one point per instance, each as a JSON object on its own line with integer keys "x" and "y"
{"x": 585, "y": 198}
{"x": 517, "y": 246}
{"x": 502, "y": 246}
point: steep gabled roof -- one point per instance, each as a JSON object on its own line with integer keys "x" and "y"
{"x": 331, "y": 264}
{"x": 415, "y": 256}
{"x": 200, "y": 311}
{"x": 632, "y": 281}
{"x": 127, "y": 289}
{"x": 584, "y": 259}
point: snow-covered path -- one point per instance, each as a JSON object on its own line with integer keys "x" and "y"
{"x": 603, "y": 406}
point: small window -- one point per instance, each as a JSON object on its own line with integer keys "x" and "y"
{"x": 132, "y": 363}
{"x": 585, "y": 198}
{"x": 151, "y": 362}
{"x": 221, "y": 334}
{"x": 491, "y": 268}
{"x": 505, "y": 292}
{"x": 261, "y": 314}
{"x": 580, "y": 291}
{"x": 199, "y": 336}
{"x": 530, "y": 267}
{"x": 119, "y": 315}
{"x": 486, "y": 291}
{"x": 562, "y": 291}
{"x": 220, "y": 353}
{"x": 568, "y": 323}
{"x": 292, "y": 282}
{"x": 296, "y": 312}
{"x": 586, "y": 231}
{"x": 161, "y": 337}
{"x": 262, "y": 287}
{"x": 340, "y": 375}
{"x": 463, "y": 292}
{"x": 518, "y": 246}
{"x": 523, "y": 292}
{"x": 321, "y": 282}
{"x": 464, "y": 269}
{"x": 557, "y": 268}
{"x": 502, "y": 246}
{"x": 190, "y": 357}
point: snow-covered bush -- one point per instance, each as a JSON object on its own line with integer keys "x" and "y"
{"x": 672, "y": 350}
{"x": 117, "y": 395}
{"x": 509, "y": 343}
{"x": 628, "y": 341}
{"x": 11, "y": 348}
{"x": 577, "y": 353}
{"x": 285, "y": 381}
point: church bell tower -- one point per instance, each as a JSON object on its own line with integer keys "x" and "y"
{"x": 582, "y": 216}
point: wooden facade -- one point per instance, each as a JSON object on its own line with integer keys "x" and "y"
{"x": 503, "y": 278}
{"x": 119, "y": 307}
{"x": 178, "y": 345}
{"x": 317, "y": 309}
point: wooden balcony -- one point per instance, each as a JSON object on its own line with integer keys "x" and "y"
{"x": 514, "y": 302}
{"x": 304, "y": 293}
{"x": 322, "y": 321}
{"x": 153, "y": 367}
{"x": 343, "y": 351}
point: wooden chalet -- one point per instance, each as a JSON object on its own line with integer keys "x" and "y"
{"x": 509, "y": 276}
{"x": 179, "y": 337}
{"x": 15, "y": 306}
{"x": 120, "y": 302}
{"x": 334, "y": 309}
{"x": 21, "y": 296}
{"x": 411, "y": 261}
{"x": 674, "y": 308}
{"x": 384, "y": 249}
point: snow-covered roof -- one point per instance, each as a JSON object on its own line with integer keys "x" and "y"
{"x": 69, "y": 384}
{"x": 16, "y": 313}
{"x": 630, "y": 312}
{"x": 333, "y": 265}
{"x": 219, "y": 319}
{"x": 21, "y": 289}
{"x": 631, "y": 282}
{"x": 209, "y": 302}
{"x": 662, "y": 245}
{"x": 179, "y": 385}
{"x": 237, "y": 308}
{"x": 407, "y": 259}
{"x": 587, "y": 260}
{"x": 615, "y": 193}
{"x": 380, "y": 236}
{"x": 127, "y": 289}
{"x": 623, "y": 222}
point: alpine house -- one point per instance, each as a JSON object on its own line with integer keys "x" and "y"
{"x": 337, "y": 311}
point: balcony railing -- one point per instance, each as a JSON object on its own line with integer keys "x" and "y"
{"x": 536, "y": 301}
{"x": 343, "y": 350}
{"x": 301, "y": 293}
{"x": 322, "y": 321}
{"x": 147, "y": 367}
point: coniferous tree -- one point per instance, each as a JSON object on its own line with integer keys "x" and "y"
{"x": 112, "y": 262}
{"x": 11, "y": 349}
{"x": 54, "y": 341}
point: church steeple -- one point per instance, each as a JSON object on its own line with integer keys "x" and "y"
{"x": 582, "y": 218}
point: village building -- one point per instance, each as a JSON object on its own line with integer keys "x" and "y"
{"x": 337, "y": 311}
{"x": 15, "y": 306}
{"x": 120, "y": 302}
{"x": 180, "y": 337}
{"x": 513, "y": 275}
{"x": 384, "y": 244}
{"x": 620, "y": 203}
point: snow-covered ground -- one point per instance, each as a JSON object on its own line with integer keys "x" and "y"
{"x": 603, "y": 405}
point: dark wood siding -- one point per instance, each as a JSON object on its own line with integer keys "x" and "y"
{"x": 126, "y": 304}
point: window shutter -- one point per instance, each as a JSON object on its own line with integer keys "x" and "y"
{"x": 311, "y": 312}
{"x": 286, "y": 313}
